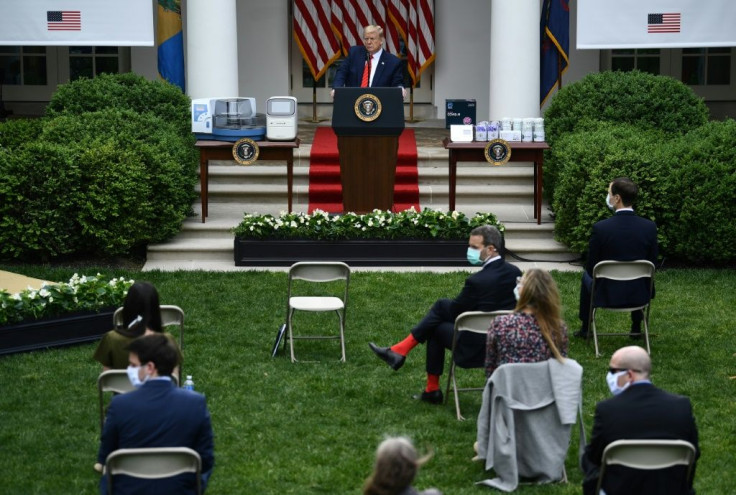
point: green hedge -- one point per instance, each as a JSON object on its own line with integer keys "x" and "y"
{"x": 97, "y": 181}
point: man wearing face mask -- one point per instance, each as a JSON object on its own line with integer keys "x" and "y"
{"x": 490, "y": 289}
{"x": 638, "y": 410}
{"x": 157, "y": 414}
{"x": 622, "y": 237}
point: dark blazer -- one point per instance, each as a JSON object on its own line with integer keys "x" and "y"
{"x": 622, "y": 237}
{"x": 158, "y": 414}
{"x": 389, "y": 72}
{"x": 640, "y": 412}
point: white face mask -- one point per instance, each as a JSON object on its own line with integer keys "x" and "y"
{"x": 517, "y": 292}
{"x": 133, "y": 376}
{"x": 608, "y": 201}
{"x": 612, "y": 380}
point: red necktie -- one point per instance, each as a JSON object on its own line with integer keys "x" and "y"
{"x": 366, "y": 73}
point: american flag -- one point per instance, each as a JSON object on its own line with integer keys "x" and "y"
{"x": 64, "y": 20}
{"x": 663, "y": 23}
{"x": 317, "y": 42}
{"x": 415, "y": 21}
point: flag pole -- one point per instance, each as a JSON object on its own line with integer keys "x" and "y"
{"x": 315, "y": 118}
{"x": 411, "y": 118}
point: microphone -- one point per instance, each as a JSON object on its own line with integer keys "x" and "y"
{"x": 367, "y": 56}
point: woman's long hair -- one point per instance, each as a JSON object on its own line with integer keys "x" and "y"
{"x": 141, "y": 301}
{"x": 397, "y": 463}
{"x": 540, "y": 295}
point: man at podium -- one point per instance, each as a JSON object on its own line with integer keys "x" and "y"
{"x": 370, "y": 65}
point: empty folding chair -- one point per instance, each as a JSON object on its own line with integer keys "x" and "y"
{"x": 153, "y": 463}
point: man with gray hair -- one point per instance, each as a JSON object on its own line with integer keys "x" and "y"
{"x": 638, "y": 410}
{"x": 490, "y": 289}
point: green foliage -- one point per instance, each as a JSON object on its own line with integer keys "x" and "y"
{"x": 16, "y": 133}
{"x": 112, "y": 167}
{"x": 79, "y": 294}
{"x": 312, "y": 427}
{"x": 704, "y": 190}
{"x": 592, "y": 158}
{"x": 408, "y": 224}
{"x": 123, "y": 91}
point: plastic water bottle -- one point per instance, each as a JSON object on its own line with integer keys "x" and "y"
{"x": 188, "y": 383}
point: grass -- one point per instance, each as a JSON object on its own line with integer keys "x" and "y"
{"x": 312, "y": 427}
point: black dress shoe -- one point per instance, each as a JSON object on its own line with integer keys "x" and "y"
{"x": 393, "y": 359}
{"x": 433, "y": 397}
{"x": 580, "y": 334}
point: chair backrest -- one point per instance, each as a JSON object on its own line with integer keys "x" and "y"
{"x": 170, "y": 315}
{"x": 115, "y": 381}
{"x": 317, "y": 271}
{"x": 477, "y": 321}
{"x": 153, "y": 463}
{"x": 623, "y": 270}
{"x": 647, "y": 454}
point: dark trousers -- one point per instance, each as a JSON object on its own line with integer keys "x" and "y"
{"x": 436, "y": 329}
{"x": 586, "y": 286}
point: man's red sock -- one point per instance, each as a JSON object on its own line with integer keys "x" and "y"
{"x": 405, "y": 345}
{"x": 433, "y": 382}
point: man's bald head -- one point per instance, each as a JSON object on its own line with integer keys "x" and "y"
{"x": 634, "y": 359}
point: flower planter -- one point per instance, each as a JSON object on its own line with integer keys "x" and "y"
{"x": 284, "y": 252}
{"x": 53, "y": 332}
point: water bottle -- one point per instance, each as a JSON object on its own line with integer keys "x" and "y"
{"x": 189, "y": 383}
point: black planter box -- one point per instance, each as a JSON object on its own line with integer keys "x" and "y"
{"x": 285, "y": 252}
{"x": 57, "y": 331}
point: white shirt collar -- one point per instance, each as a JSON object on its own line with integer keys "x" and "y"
{"x": 491, "y": 260}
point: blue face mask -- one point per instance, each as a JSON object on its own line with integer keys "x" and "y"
{"x": 474, "y": 256}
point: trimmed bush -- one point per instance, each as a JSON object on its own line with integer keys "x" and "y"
{"x": 636, "y": 98}
{"x": 704, "y": 188}
{"x": 112, "y": 167}
{"x": 591, "y": 159}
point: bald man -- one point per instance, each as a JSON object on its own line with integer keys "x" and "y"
{"x": 638, "y": 410}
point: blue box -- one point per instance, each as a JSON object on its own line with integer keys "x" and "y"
{"x": 459, "y": 112}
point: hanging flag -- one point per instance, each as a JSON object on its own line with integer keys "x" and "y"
{"x": 170, "y": 42}
{"x": 318, "y": 44}
{"x": 64, "y": 20}
{"x": 349, "y": 17}
{"x": 414, "y": 20}
{"x": 555, "y": 39}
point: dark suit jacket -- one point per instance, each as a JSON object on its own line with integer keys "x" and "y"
{"x": 490, "y": 289}
{"x": 158, "y": 414}
{"x": 622, "y": 237}
{"x": 389, "y": 72}
{"x": 640, "y": 412}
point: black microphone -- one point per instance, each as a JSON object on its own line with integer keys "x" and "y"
{"x": 367, "y": 56}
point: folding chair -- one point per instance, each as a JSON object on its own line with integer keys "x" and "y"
{"x": 153, "y": 463}
{"x": 647, "y": 454}
{"x": 621, "y": 271}
{"x": 115, "y": 381}
{"x": 471, "y": 321}
{"x": 317, "y": 272}
{"x": 170, "y": 315}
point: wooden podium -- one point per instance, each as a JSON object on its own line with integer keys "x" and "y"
{"x": 368, "y": 122}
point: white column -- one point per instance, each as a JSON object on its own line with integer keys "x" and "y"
{"x": 212, "y": 48}
{"x": 514, "y": 90}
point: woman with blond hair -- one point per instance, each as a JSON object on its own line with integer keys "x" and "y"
{"x": 535, "y": 331}
{"x": 397, "y": 463}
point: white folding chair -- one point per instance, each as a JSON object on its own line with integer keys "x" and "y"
{"x": 621, "y": 271}
{"x": 115, "y": 381}
{"x": 471, "y": 321}
{"x": 153, "y": 463}
{"x": 647, "y": 454}
{"x": 317, "y": 272}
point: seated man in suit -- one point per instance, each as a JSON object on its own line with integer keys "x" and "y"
{"x": 490, "y": 289}
{"x": 370, "y": 65}
{"x": 638, "y": 410}
{"x": 622, "y": 237}
{"x": 157, "y": 414}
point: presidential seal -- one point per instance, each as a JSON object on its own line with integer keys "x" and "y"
{"x": 368, "y": 107}
{"x": 497, "y": 152}
{"x": 245, "y": 151}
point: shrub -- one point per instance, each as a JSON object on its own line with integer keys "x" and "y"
{"x": 17, "y": 132}
{"x": 705, "y": 184}
{"x": 590, "y": 160}
{"x": 635, "y": 98}
{"x": 123, "y": 91}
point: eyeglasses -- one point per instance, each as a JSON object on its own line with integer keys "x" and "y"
{"x": 619, "y": 370}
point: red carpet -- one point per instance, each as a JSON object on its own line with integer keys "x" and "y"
{"x": 325, "y": 191}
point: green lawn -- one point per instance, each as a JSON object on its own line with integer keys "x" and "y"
{"x": 312, "y": 427}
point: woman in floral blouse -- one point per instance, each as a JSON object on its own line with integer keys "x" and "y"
{"x": 535, "y": 331}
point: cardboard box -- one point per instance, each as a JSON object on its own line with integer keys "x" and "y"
{"x": 459, "y": 112}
